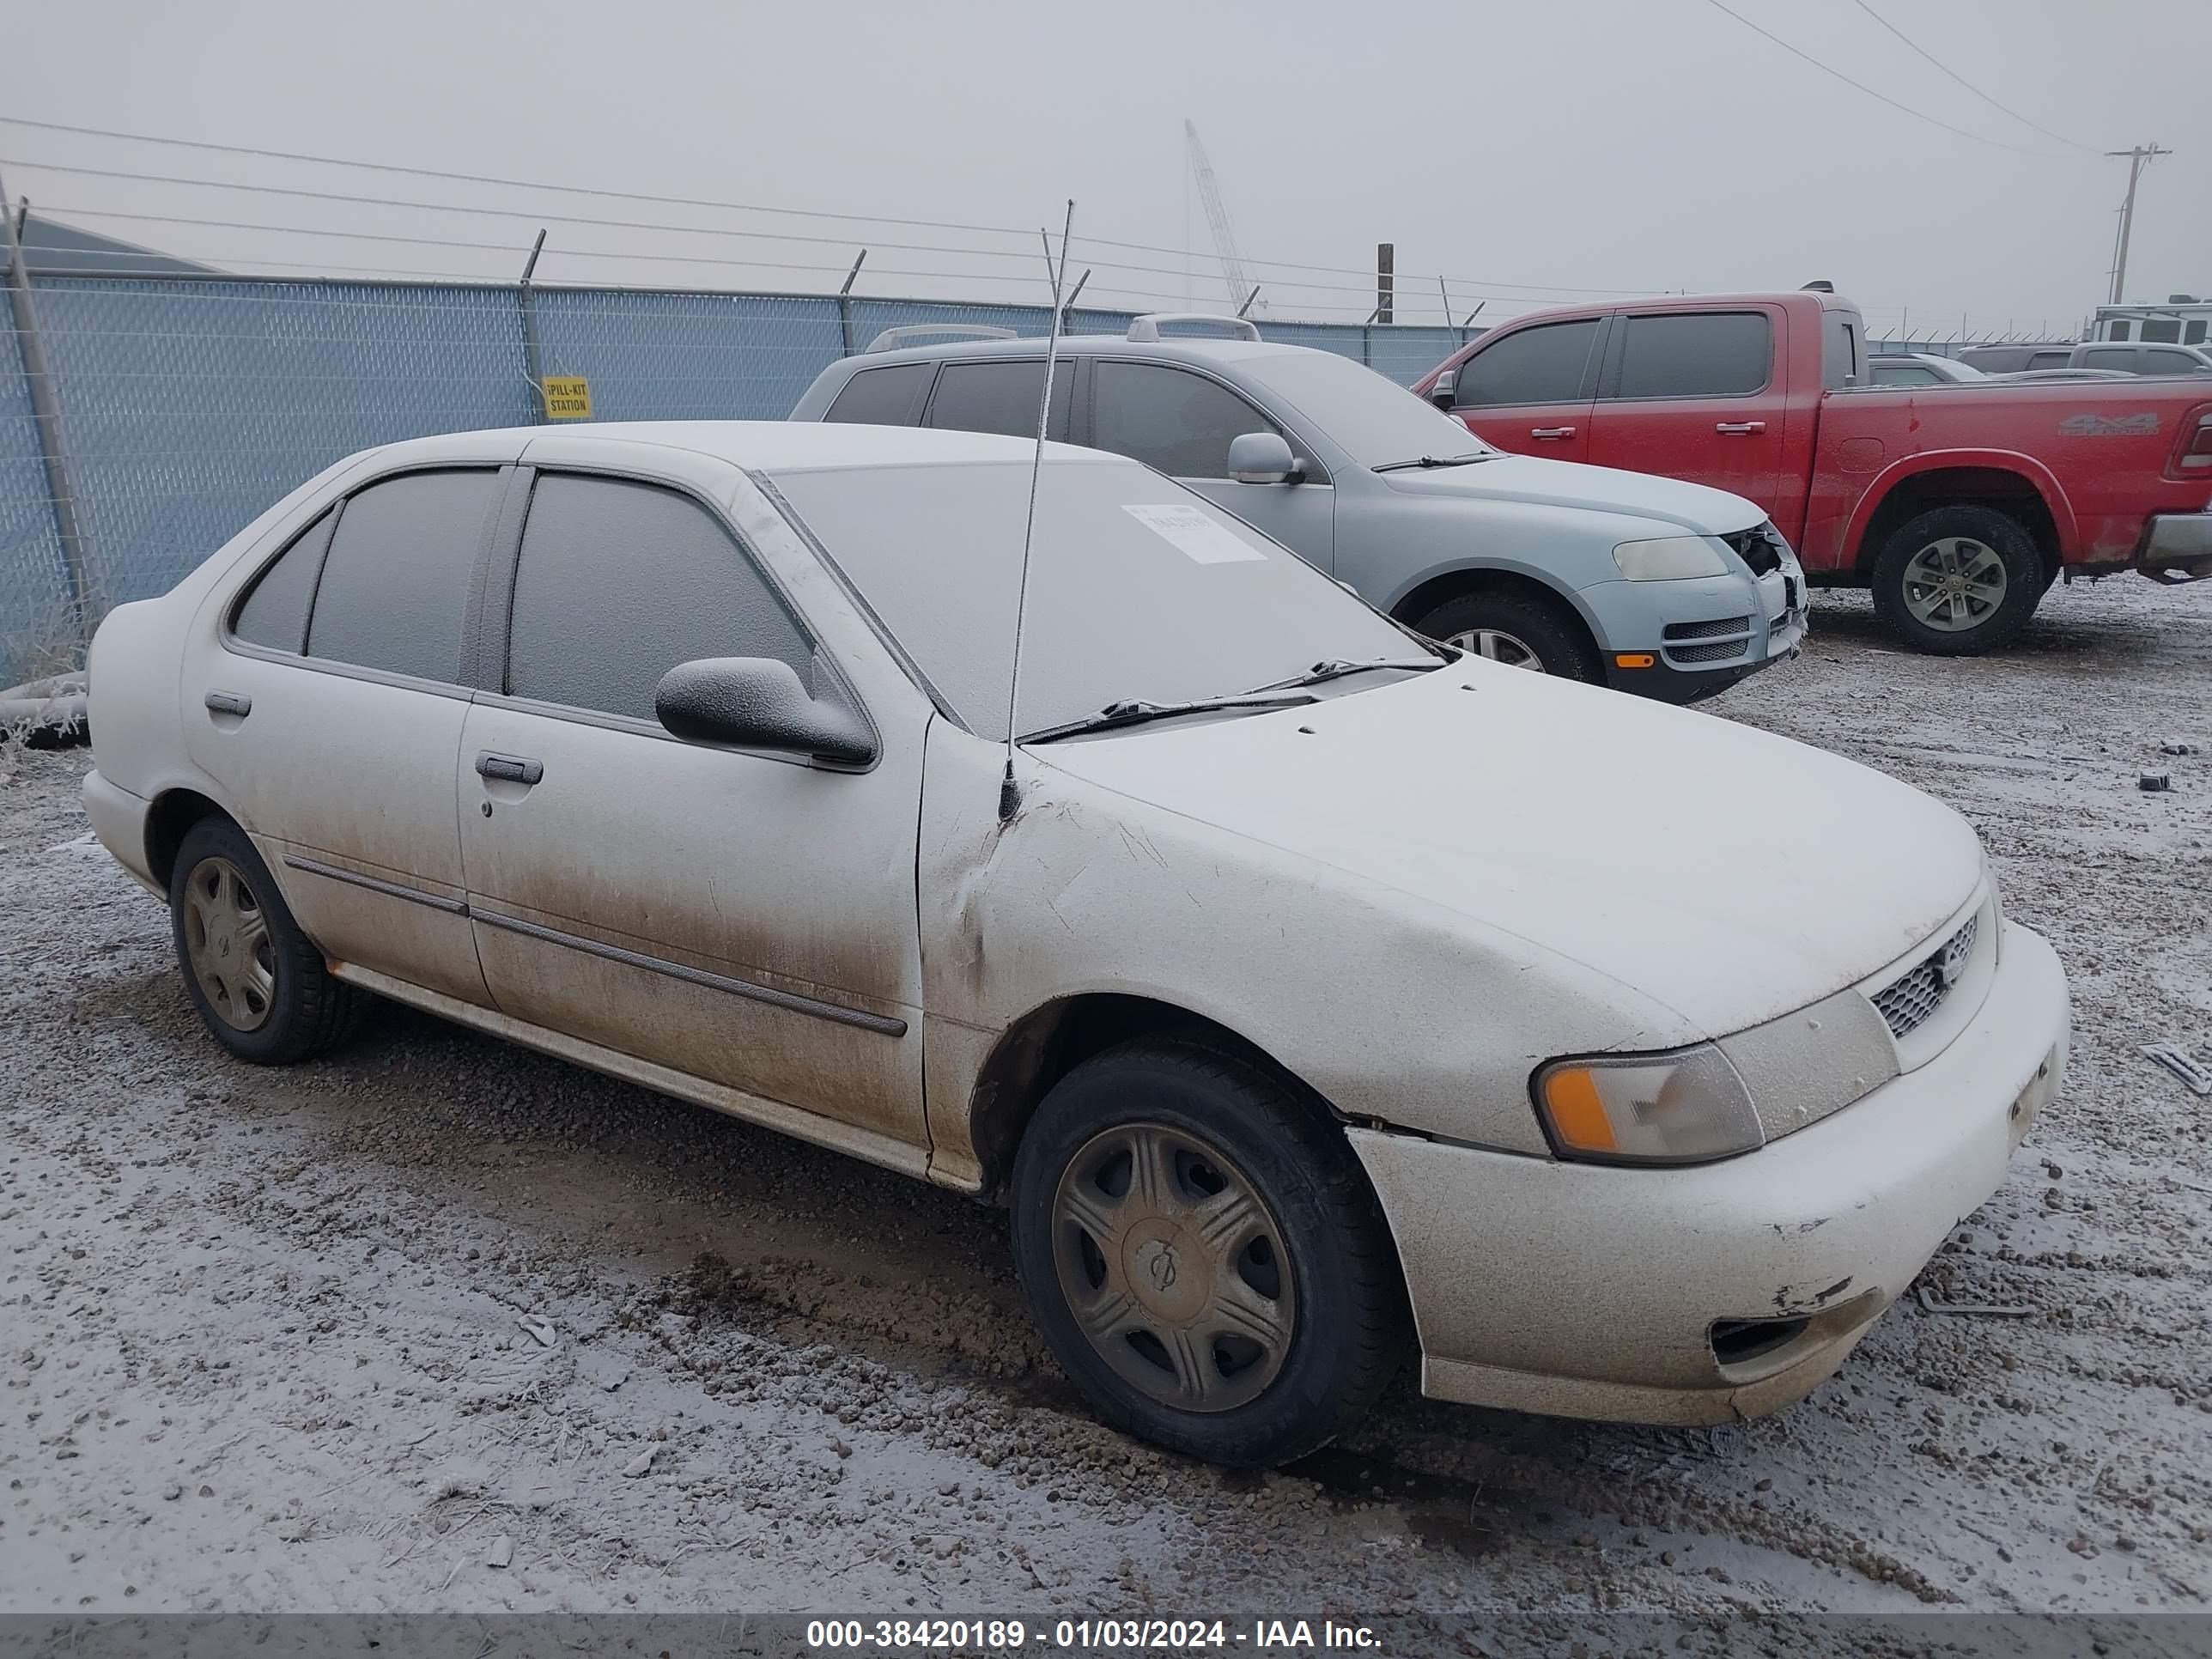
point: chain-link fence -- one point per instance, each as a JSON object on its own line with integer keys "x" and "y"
{"x": 180, "y": 409}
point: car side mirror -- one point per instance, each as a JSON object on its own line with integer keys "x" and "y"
{"x": 1262, "y": 458}
{"x": 1443, "y": 393}
{"x": 757, "y": 702}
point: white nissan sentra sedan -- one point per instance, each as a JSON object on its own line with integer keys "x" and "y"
{"x": 1308, "y": 988}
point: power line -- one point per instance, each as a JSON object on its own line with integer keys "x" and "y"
{"x": 736, "y": 207}
{"x": 1883, "y": 97}
{"x": 2087, "y": 149}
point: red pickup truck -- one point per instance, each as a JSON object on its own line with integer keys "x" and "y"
{"x": 1958, "y": 505}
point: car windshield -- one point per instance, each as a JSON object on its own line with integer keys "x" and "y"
{"x": 1138, "y": 590}
{"x": 1375, "y": 420}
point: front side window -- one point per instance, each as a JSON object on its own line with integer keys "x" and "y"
{"x": 395, "y": 587}
{"x": 1001, "y": 397}
{"x": 1173, "y": 421}
{"x": 619, "y": 581}
{"x": 890, "y": 396}
{"x": 275, "y": 613}
{"x": 1548, "y": 364}
{"x": 2171, "y": 362}
{"x": 1698, "y": 354}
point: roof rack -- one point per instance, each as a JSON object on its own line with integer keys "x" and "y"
{"x": 1147, "y": 327}
{"x": 892, "y": 338}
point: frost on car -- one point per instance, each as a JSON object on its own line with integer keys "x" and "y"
{"x": 680, "y": 750}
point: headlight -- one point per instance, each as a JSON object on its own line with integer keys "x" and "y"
{"x": 1669, "y": 559}
{"x": 1686, "y": 1107}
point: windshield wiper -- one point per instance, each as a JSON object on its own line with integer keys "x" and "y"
{"x": 1137, "y": 712}
{"x": 1426, "y": 461}
{"x": 1335, "y": 668}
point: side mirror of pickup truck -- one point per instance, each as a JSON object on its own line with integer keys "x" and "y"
{"x": 1442, "y": 393}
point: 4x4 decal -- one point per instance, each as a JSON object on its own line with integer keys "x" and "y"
{"x": 2109, "y": 425}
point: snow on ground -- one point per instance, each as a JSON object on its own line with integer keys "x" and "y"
{"x": 440, "y": 1324}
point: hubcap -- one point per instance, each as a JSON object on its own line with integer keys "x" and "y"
{"x": 1499, "y": 645}
{"x": 227, "y": 941}
{"x": 1955, "y": 584}
{"x": 1173, "y": 1267}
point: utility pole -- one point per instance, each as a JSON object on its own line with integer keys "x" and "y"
{"x": 1385, "y": 279}
{"x": 2137, "y": 158}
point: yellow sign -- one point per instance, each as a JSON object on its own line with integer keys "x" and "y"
{"x": 567, "y": 398}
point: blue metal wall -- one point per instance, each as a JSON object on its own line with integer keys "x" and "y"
{"x": 188, "y": 406}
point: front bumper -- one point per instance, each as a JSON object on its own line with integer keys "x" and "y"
{"x": 1683, "y": 641}
{"x": 1585, "y": 1291}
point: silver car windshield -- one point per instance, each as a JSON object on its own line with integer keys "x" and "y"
{"x": 1375, "y": 420}
{"x": 1138, "y": 589}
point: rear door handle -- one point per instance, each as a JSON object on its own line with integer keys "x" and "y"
{"x": 229, "y": 702}
{"x": 1740, "y": 428}
{"x": 1551, "y": 432}
{"x": 510, "y": 769}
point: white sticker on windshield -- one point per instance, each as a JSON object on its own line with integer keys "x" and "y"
{"x": 1196, "y": 534}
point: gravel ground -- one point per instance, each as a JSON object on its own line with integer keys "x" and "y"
{"x": 439, "y": 1324}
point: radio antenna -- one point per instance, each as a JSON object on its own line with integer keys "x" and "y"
{"x": 1009, "y": 794}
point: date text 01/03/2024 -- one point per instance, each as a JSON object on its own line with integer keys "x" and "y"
{"x": 1013, "y": 1635}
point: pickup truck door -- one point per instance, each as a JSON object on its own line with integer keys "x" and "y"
{"x": 1698, "y": 395}
{"x": 1529, "y": 390}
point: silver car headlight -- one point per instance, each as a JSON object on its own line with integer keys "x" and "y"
{"x": 1685, "y": 1107}
{"x": 1669, "y": 559}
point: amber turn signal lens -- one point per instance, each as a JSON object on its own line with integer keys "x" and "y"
{"x": 1634, "y": 660}
{"x": 1577, "y": 1115}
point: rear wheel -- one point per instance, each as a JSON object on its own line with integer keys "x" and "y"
{"x": 260, "y": 986}
{"x": 1958, "y": 580}
{"x": 1204, "y": 1255}
{"x": 1516, "y": 629}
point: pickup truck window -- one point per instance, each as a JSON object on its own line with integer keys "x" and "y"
{"x": 1840, "y": 362}
{"x": 1699, "y": 354}
{"x": 2120, "y": 357}
{"x": 2172, "y": 362}
{"x": 1550, "y": 364}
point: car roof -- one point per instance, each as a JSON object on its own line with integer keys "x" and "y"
{"x": 797, "y": 445}
{"x": 1179, "y": 348}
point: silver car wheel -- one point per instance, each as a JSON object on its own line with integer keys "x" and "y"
{"x": 1174, "y": 1268}
{"x": 226, "y": 941}
{"x": 1954, "y": 584}
{"x": 1499, "y": 647}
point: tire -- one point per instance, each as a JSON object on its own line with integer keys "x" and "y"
{"x": 1515, "y": 629}
{"x": 1997, "y": 573}
{"x": 1249, "y": 1374}
{"x": 260, "y": 986}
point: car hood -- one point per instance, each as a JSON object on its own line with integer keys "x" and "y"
{"x": 1725, "y": 873}
{"x": 1538, "y": 483}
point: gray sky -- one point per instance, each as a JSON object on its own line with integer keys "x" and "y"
{"x": 1598, "y": 144}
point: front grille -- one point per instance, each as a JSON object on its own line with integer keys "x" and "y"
{"x": 1777, "y": 624}
{"x": 1705, "y": 630}
{"x": 1907, "y": 1002}
{"x": 1759, "y": 547}
{"x": 1716, "y": 651}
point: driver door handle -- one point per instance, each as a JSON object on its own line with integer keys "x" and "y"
{"x": 1740, "y": 428}
{"x": 1551, "y": 432}
{"x": 510, "y": 769}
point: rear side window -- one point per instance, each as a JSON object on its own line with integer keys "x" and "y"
{"x": 2120, "y": 357}
{"x": 395, "y": 587}
{"x": 2049, "y": 359}
{"x": 1840, "y": 364}
{"x": 1176, "y": 422}
{"x": 1703, "y": 354}
{"x": 1546, "y": 365}
{"x": 891, "y": 396}
{"x": 619, "y": 581}
{"x": 1001, "y": 397}
{"x": 275, "y": 613}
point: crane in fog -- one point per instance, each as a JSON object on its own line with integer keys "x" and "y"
{"x": 1242, "y": 292}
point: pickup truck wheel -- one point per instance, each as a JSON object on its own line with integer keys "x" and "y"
{"x": 1958, "y": 580}
{"x": 1204, "y": 1255}
{"x": 1514, "y": 629}
{"x": 259, "y": 984}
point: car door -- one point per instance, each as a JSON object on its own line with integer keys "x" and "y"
{"x": 1528, "y": 390}
{"x": 1181, "y": 422}
{"x": 743, "y": 918}
{"x": 1696, "y": 395}
{"x": 328, "y": 708}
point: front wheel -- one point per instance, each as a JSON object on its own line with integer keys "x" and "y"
{"x": 1204, "y": 1257}
{"x": 1515, "y": 629}
{"x": 1958, "y": 580}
